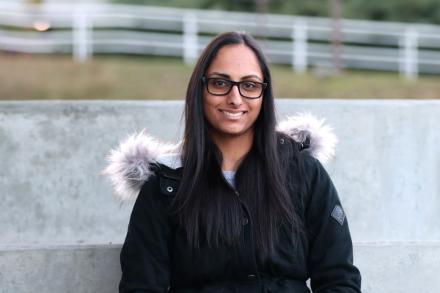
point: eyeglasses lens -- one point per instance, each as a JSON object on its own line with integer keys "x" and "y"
{"x": 248, "y": 89}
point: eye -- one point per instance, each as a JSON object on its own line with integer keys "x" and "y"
{"x": 249, "y": 85}
{"x": 219, "y": 83}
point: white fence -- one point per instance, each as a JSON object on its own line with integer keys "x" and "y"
{"x": 303, "y": 42}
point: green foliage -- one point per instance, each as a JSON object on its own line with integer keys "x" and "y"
{"x": 425, "y": 11}
{"x": 310, "y": 7}
{"x": 237, "y": 5}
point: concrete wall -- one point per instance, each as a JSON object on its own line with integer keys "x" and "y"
{"x": 386, "y": 171}
{"x": 53, "y": 152}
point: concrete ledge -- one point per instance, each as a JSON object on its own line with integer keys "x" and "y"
{"x": 55, "y": 269}
{"x": 385, "y": 268}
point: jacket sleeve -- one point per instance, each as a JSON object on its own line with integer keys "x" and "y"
{"x": 330, "y": 259}
{"x": 144, "y": 255}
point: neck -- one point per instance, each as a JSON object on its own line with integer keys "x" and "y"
{"x": 233, "y": 148}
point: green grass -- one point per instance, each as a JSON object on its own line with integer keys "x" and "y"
{"x": 27, "y": 77}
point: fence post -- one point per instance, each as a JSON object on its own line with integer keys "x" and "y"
{"x": 299, "y": 36}
{"x": 82, "y": 30}
{"x": 408, "y": 63}
{"x": 190, "y": 38}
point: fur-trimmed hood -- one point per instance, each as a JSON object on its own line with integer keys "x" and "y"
{"x": 130, "y": 163}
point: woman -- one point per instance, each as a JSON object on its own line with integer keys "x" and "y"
{"x": 238, "y": 206}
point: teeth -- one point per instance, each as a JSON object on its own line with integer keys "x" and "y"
{"x": 233, "y": 114}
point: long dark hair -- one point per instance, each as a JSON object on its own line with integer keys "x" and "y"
{"x": 207, "y": 207}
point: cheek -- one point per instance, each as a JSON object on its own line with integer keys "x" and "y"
{"x": 209, "y": 107}
{"x": 256, "y": 109}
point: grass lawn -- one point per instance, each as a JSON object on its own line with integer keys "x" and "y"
{"x": 24, "y": 77}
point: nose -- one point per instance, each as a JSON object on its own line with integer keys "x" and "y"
{"x": 234, "y": 97}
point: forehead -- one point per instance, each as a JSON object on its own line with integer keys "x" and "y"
{"x": 235, "y": 61}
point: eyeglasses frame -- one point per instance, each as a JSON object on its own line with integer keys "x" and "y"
{"x": 234, "y": 83}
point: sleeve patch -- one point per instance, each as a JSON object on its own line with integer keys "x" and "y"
{"x": 338, "y": 214}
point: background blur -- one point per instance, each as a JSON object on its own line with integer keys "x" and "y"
{"x": 78, "y": 77}
{"x": 124, "y": 49}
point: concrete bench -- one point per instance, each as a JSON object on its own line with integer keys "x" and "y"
{"x": 386, "y": 268}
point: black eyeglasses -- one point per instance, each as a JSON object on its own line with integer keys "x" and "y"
{"x": 220, "y": 87}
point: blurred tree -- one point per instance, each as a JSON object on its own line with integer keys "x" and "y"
{"x": 309, "y": 7}
{"x": 427, "y": 11}
{"x": 394, "y": 10}
{"x": 241, "y": 5}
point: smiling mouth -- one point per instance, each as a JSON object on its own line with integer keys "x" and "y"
{"x": 233, "y": 114}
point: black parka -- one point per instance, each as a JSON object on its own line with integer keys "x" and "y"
{"x": 156, "y": 256}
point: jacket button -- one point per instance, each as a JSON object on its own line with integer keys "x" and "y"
{"x": 245, "y": 221}
{"x": 251, "y": 277}
{"x": 282, "y": 140}
{"x": 170, "y": 189}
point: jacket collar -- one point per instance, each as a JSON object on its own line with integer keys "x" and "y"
{"x": 131, "y": 163}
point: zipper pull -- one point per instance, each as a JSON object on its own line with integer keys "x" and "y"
{"x": 237, "y": 193}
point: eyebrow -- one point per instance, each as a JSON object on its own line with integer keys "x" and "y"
{"x": 244, "y": 77}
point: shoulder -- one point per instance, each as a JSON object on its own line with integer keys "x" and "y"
{"x": 290, "y": 149}
{"x": 308, "y": 142}
{"x": 168, "y": 178}
{"x": 314, "y": 171}
{"x": 135, "y": 160}
{"x": 156, "y": 193}
{"x": 312, "y": 135}
{"x": 303, "y": 168}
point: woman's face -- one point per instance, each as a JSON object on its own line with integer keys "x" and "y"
{"x": 232, "y": 114}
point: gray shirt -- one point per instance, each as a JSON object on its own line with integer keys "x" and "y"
{"x": 230, "y": 177}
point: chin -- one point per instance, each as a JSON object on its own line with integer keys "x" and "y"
{"x": 233, "y": 132}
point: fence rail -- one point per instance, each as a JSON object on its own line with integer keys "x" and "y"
{"x": 303, "y": 42}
